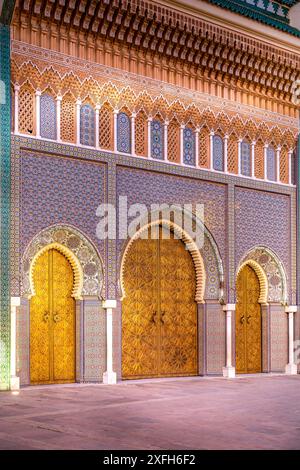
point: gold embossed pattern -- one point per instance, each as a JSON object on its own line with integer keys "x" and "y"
{"x": 52, "y": 321}
{"x": 159, "y": 315}
{"x": 248, "y": 323}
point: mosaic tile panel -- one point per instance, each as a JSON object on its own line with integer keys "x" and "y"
{"x": 5, "y": 207}
{"x": 279, "y": 338}
{"x": 271, "y": 164}
{"x": 48, "y": 117}
{"x": 189, "y": 156}
{"x": 245, "y": 159}
{"x": 123, "y": 133}
{"x": 215, "y": 339}
{"x": 262, "y": 219}
{"x": 157, "y": 140}
{"x": 87, "y": 125}
{"x": 58, "y": 190}
{"x": 218, "y": 153}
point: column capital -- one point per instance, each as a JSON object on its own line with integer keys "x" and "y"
{"x": 38, "y": 93}
{"x": 291, "y": 309}
{"x": 59, "y": 98}
{"x": 133, "y": 115}
{"x": 78, "y": 102}
{"x": 109, "y": 303}
{"x": 16, "y": 87}
{"x": 229, "y": 308}
{"x": 98, "y": 106}
{"x": 115, "y": 111}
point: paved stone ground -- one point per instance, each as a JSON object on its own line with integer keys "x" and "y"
{"x": 257, "y": 412}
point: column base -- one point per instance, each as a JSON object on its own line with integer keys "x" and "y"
{"x": 14, "y": 383}
{"x": 291, "y": 369}
{"x": 229, "y": 372}
{"x": 109, "y": 378}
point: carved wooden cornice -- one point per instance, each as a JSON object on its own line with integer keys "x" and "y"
{"x": 188, "y": 42}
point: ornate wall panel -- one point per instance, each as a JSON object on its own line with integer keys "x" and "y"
{"x": 263, "y": 219}
{"x": 189, "y": 146}
{"x": 52, "y": 192}
{"x": 141, "y": 134}
{"x": 173, "y": 142}
{"x": 271, "y": 164}
{"x": 68, "y": 119}
{"x": 259, "y": 160}
{"x": 232, "y": 154}
{"x": 278, "y": 338}
{"x": 87, "y": 125}
{"x": 157, "y": 139}
{"x": 218, "y": 153}
{"x": 27, "y": 110}
{"x": 106, "y": 127}
{"x": 245, "y": 158}
{"x": 48, "y": 116}
{"x": 284, "y": 165}
{"x": 215, "y": 338}
{"x": 123, "y": 133}
{"x": 204, "y": 148}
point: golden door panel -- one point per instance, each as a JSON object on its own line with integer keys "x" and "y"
{"x": 139, "y": 311}
{"x": 159, "y": 314}
{"x": 63, "y": 319}
{"x": 40, "y": 323}
{"x": 248, "y": 323}
{"x": 178, "y": 312}
{"x": 52, "y": 321}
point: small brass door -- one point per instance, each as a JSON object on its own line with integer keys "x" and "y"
{"x": 159, "y": 312}
{"x": 248, "y": 323}
{"x": 52, "y": 321}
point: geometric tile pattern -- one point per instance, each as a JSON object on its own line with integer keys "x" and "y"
{"x": 218, "y": 153}
{"x": 262, "y": 219}
{"x": 123, "y": 133}
{"x": 157, "y": 140}
{"x": 189, "y": 157}
{"x": 87, "y": 125}
{"x": 271, "y": 164}
{"x": 245, "y": 158}
{"x": 5, "y": 207}
{"x": 48, "y": 117}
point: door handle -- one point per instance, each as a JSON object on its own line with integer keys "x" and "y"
{"x": 153, "y": 317}
{"x": 242, "y": 319}
{"x": 248, "y": 318}
{"x": 162, "y": 317}
{"x": 46, "y": 316}
{"x": 56, "y": 317}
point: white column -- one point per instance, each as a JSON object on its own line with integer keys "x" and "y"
{"x": 291, "y": 367}
{"x": 181, "y": 143}
{"x": 278, "y": 164}
{"x": 239, "y": 156}
{"x": 16, "y": 106}
{"x": 197, "y": 130}
{"x": 290, "y": 165}
{"x": 149, "y": 136}
{"x": 226, "y": 153}
{"x": 133, "y": 116}
{"x": 211, "y": 141}
{"x": 109, "y": 376}
{"x": 116, "y": 112}
{"x": 97, "y": 126}
{"x": 266, "y": 146}
{"x": 229, "y": 370}
{"x": 78, "y": 105}
{"x": 253, "y": 159}
{"x": 38, "y": 113}
{"x": 14, "y": 380}
{"x": 166, "y": 123}
{"x": 58, "y": 120}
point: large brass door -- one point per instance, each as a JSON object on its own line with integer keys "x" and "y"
{"x": 248, "y": 323}
{"x": 159, "y": 312}
{"x": 52, "y": 321}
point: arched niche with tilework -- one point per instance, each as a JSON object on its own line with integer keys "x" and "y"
{"x": 82, "y": 254}
{"x": 270, "y": 272}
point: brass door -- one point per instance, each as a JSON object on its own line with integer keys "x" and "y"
{"x": 248, "y": 323}
{"x": 52, "y": 321}
{"x": 159, "y": 312}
